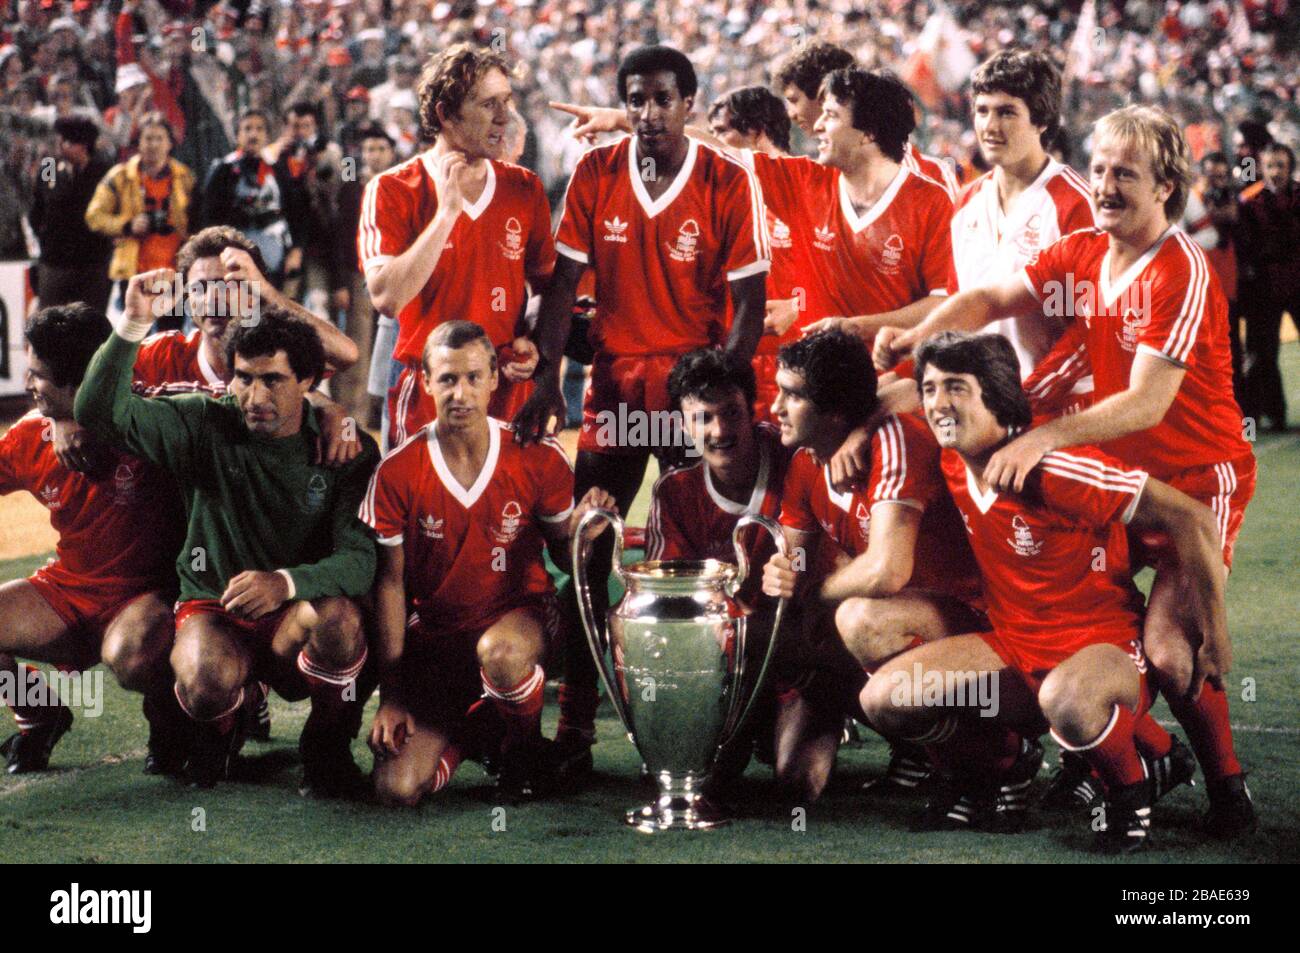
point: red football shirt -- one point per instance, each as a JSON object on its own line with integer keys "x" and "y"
{"x": 933, "y": 167}
{"x": 897, "y": 252}
{"x": 662, "y": 265}
{"x": 173, "y": 358}
{"x": 1054, "y": 560}
{"x": 498, "y": 243}
{"x": 904, "y": 471}
{"x": 1169, "y": 304}
{"x": 123, "y": 530}
{"x": 690, "y": 519}
{"x": 791, "y": 272}
{"x": 471, "y": 554}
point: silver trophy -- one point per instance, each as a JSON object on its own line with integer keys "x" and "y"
{"x": 679, "y": 682}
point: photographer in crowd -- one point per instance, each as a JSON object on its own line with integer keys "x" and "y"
{"x": 143, "y": 204}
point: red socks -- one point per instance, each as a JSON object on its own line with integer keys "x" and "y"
{"x": 1112, "y": 754}
{"x": 520, "y": 706}
{"x": 447, "y": 764}
{"x": 1151, "y": 740}
{"x": 1209, "y": 731}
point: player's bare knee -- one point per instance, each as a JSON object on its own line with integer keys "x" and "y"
{"x": 1071, "y": 707}
{"x": 399, "y": 789}
{"x": 337, "y": 637}
{"x": 127, "y": 660}
{"x": 505, "y": 659}
{"x": 208, "y": 691}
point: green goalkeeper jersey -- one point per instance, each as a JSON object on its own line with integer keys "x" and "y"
{"x": 253, "y": 502}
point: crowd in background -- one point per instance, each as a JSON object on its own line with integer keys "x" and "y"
{"x": 161, "y": 116}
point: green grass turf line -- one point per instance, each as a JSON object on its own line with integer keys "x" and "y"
{"x": 96, "y": 806}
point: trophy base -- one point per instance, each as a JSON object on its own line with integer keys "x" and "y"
{"x": 678, "y": 812}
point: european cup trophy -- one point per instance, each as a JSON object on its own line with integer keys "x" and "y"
{"x": 679, "y": 680}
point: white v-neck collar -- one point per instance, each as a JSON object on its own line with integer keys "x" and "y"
{"x": 467, "y": 498}
{"x": 755, "y": 504}
{"x": 205, "y": 367}
{"x": 1110, "y": 292}
{"x": 653, "y": 207}
{"x": 878, "y": 209}
{"x": 474, "y": 209}
{"x": 983, "y": 500}
{"x": 842, "y": 500}
{"x": 1007, "y": 221}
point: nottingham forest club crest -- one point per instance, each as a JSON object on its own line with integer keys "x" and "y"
{"x": 511, "y": 522}
{"x": 513, "y": 246}
{"x": 891, "y": 255}
{"x": 1024, "y": 543}
{"x": 313, "y": 500}
{"x": 688, "y": 239}
{"x": 124, "y": 485}
{"x": 863, "y": 516}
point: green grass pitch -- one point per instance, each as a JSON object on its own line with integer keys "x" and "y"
{"x": 94, "y": 805}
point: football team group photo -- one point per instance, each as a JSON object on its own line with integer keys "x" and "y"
{"x": 561, "y": 431}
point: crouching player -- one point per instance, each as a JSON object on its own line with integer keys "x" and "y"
{"x": 905, "y": 573}
{"x": 274, "y": 554}
{"x": 465, "y": 605}
{"x": 108, "y": 590}
{"x": 1066, "y": 618}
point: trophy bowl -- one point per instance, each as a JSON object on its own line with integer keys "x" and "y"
{"x": 672, "y": 656}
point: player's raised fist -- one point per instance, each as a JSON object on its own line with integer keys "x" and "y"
{"x": 149, "y": 296}
{"x": 779, "y": 577}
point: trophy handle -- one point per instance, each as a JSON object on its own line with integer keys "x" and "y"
{"x": 595, "y": 641}
{"x": 741, "y": 704}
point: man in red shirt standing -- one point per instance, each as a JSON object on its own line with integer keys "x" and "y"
{"x": 108, "y": 591}
{"x": 1152, "y": 321}
{"x": 673, "y": 229}
{"x": 453, "y": 233}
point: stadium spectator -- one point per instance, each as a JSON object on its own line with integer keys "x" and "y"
{"x": 73, "y": 263}
{"x": 247, "y": 192}
{"x": 377, "y": 155}
{"x": 1212, "y": 216}
{"x": 143, "y": 204}
{"x": 1270, "y": 237}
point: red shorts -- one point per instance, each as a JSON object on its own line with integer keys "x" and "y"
{"x": 765, "y": 381}
{"x": 86, "y": 607}
{"x": 619, "y": 392}
{"x": 256, "y": 635}
{"x": 1226, "y": 488}
{"x": 410, "y": 407}
{"x": 439, "y": 671}
{"x": 1033, "y": 662}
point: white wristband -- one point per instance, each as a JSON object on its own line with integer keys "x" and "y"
{"x": 130, "y": 329}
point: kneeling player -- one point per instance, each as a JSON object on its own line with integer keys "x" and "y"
{"x": 1066, "y": 618}
{"x": 108, "y": 590}
{"x": 908, "y": 577}
{"x": 465, "y": 605}
{"x": 274, "y": 555}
